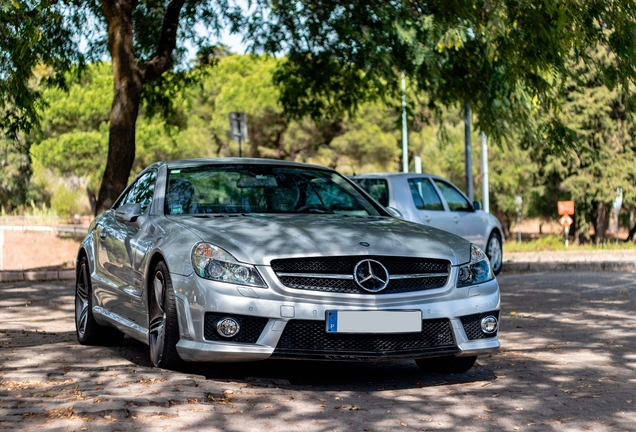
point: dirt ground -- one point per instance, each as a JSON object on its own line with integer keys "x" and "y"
{"x": 28, "y": 250}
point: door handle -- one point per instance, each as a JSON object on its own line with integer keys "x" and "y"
{"x": 456, "y": 219}
{"x": 103, "y": 234}
{"x": 427, "y": 218}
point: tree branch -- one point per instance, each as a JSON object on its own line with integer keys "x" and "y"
{"x": 167, "y": 42}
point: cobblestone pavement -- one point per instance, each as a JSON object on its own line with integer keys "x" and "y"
{"x": 567, "y": 363}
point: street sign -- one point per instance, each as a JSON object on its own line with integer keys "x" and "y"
{"x": 618, "y": 200}
{"x": 566, "y": 207}
{"x": 238, "y": 128}
{"x": 566, "y": 221}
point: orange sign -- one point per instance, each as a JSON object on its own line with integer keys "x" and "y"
{"x": 566, "y": 207}
{"x": 566, "y": 220}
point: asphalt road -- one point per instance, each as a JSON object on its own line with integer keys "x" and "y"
{"x": 567, "y": 363}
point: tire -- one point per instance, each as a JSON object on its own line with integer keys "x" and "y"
{"x": 494, "y": 251}
{"x": 446, "y": 364}
{"x": 86, "y": 328}
{"x": 163, "y": 333}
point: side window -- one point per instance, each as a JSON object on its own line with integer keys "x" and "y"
{"x": 141, "y": 191}
{"x": 377, "y": 188}
{"x": 454, "y": 198}
{"x": 424, "y": 195}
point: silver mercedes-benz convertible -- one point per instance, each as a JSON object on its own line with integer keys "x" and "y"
{"x": 247, "y": 259}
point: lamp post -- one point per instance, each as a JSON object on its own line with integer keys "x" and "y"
{"x": 405, "y": 132}
{"x": 519, "y": 206}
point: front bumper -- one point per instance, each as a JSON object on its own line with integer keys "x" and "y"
{"x": 278, "y": 306}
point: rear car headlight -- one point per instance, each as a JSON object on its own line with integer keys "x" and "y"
{"x": 212, "y": 262}
{"x": 476, "y": 271}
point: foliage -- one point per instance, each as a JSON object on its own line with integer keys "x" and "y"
{"x": 65, "y": 202}
{"x": 502, "y": 57}
{"x": 602, "y": 125}
{"x": 557, "y": 243}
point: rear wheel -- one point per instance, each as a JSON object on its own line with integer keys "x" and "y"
{"x": 446, "y": 364}
{"x": 87, "y": 330}
{"x": 164, "y": 327}
{"x": 494, "y": 251}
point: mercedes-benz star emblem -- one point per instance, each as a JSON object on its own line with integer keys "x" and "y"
{"x": 371, "y": 275}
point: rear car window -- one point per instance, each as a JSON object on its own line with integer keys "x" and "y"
{"x": 377, "y": 188}
{"x": 424, "y": 195}
{"x": 454, "y": 198}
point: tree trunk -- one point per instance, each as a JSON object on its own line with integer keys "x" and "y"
{"x": 600, "y": 223}
{"x": 128, "y": 85}
{"x": 632, "y": 223}
{"x": 129, "y": 78}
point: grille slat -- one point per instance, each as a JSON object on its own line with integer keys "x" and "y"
{"x": 332, "y": 266}
{"x": 311, "y": 337}
{"x": 472, "y": 325}
{"x": 250, "y": 331}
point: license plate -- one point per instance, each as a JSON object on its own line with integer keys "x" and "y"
{"x": 374, "y": 321}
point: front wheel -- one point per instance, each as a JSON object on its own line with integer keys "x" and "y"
{"x": 164, "y": 327}
{"x": 446, "y": 364}
{"x": 494, "y": 251}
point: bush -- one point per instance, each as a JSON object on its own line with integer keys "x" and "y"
{"x": 65, "y": 202}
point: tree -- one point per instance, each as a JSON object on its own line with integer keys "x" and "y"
{"x": 601, "y": 126}
{"x": 141, "y": 38}
{"x": 499, "y": 56}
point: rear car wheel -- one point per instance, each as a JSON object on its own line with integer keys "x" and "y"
{"x": 446, "y": 364}
{"x": 494, "y": 251}
{"x": 164, "y": 327}
{"x": 87, "y": 330}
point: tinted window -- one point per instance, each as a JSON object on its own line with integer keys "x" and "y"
{"x": 141, "y": 192}
{"x": 454, "y": 198}
{"x": 424, "y": 195}
{"x": 262, "y": 189}
{"x": 377, "y": 188}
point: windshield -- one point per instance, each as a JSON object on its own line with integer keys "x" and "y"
{"x": 262, "y": 189}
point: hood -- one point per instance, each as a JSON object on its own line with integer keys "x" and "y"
{"x": 258, "y": 239}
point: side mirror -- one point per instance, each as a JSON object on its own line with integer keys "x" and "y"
{"x": 128, "y": 213}
{"x": 476, "y": 205}
{"x": 394, "y": 212}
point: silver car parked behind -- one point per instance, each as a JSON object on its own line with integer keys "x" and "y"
{"x": 246, "y": 259}
{"x": 434, "y": 201}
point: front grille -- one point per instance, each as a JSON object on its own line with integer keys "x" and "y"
{"x": 310, "y": 337}
{"x": 472, "y": 325}
{"x": 314, "y": 267}
{"x": 345, "y": 264}
{"x": 250, "y": 331}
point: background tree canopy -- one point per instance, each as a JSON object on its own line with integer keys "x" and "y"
{"x": 549, "y": 81}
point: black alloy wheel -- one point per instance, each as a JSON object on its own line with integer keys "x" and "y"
{"x": 87, "y": 330}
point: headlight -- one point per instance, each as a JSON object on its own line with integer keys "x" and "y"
{"x": 212, "y": 262}
{"x": 476, "y": 271}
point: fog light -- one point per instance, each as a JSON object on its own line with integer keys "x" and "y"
{"x": 228, "y": 327}
{"x": 489, "y": 324}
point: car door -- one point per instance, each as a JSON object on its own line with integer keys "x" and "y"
{"x": 123, "y": 248}
{"x": 463, "y": 218}
{"x": 429, "y": 205}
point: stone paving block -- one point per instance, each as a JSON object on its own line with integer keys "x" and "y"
{"x": 8, "y": 276}
{"x": 515, "y": 267}
{"x": 30, "y": 409}
{"x": 66, "y": 274}
{"x": 105, "y": 407}
{"x": 151, "y": 411}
